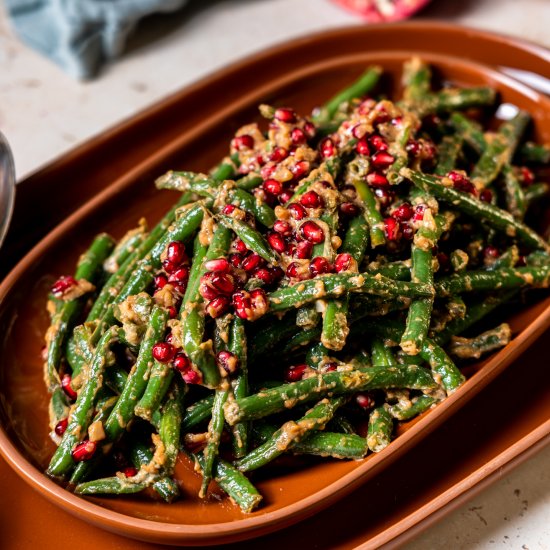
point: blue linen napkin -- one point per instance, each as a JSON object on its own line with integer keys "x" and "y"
{"x": 80, "y": 35}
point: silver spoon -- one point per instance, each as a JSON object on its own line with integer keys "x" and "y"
{"x": 7, "y": 186}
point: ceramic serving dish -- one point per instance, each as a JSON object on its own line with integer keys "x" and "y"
{"x": 293, "y": 494}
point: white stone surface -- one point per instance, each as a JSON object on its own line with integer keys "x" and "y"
{"x": 44, "y": 113}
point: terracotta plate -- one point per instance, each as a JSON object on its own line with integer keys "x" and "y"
{"x": 293, "y": 494}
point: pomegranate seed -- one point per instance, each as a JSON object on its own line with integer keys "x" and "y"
{"x": 327, "y": 148}
{"x": 391, "y": 227}
{"x": 163, "y": 352}
{"x": 378, "y": 143}
{"x": 172, "y": 311}
{"x": 343, "y": 262}
{"x": 364, "y": 400}
{"x": 303, "y": 250}
{"x": 527, "y": 176}
{"x": 319, "y": 266}
{"x": 381, "y": 117}
{"x": 413, "y": 147}
{"x": 130, "y": 471}
{"x": 227, "y": 361}
{"x": 300, "y": 168}
{"x": 276, "y": 241}
{"x": 349, "y": 191}
{"x": 66, "y": 386}
{"x": 181, "y": 362}
{"x": 349, "y": 209}
{"x": 330, "y": 367}
{"x": 61, "y": 426}
{"x": 285, "y": 196}
{"x": 397, "y": 121}
{"x": 219, "y": 264}
{"x": 191, "y": 377}
{"x": 385, "y": 196}
{"x": 84, "y": 451}
{"x": 180, "y": 275}
{"x": 169, "y": 266}
{"x": 273, "y": 187}
{"x": 205, "y": 287}
{"x": 295, "y": 373}
{"x": 311, "y": 232}
{"x": 522, "y": 262}
{"x": 264, "y": 274}
{"x": 160, "y": 281}
{"x": 252, "y": 262}
{"x": 259, "y": 302}
{"x": 297, "y": 211}
{"x": 486, "y": 195}
{"x": 228, "y": 209}
{"x": 298, "y": 136}
{"x": 235, "y": 259}
{"x": 285, "y": 115}
{"x": 491, "y": 252}
{"x": 431, "y": 121}
{"x": 239, "y": 246}
{"x": 276, "y": 273}
{"x": 407, "y": 231}
{"x": 175, "y": 252}
{"x": 461, "y": 182}
{"x": 292, "y": 270}
{"x": 243, "y": 142}
{"x": 218, "y": 306}
{"x": 403, "y": 212}
{"x": 242, "y": 304}
{"x": 169, "y": 338}
{"x": 428, "y": 149}
{"x": 358, "y": 131}
{"x": 419, "y": 212}
{"x": 311, "y": 199}
{"x": 223, "y": 282}
{"x": 362, "y": 147}
{"x": 309, "y": 129}
{"x": 376, "y": 178}
{"x": 278, "y": 154}
{"x": 282, "y": 227}
{"x": 267, "y": 170}
{"x": 382, "y": 159}
{"x": 63, "y": 284}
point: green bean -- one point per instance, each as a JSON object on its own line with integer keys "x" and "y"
{"x": 490, "y": 340}
{"x": 452, "y": 99}
{"x": 137, "y": 380}
{"x": 286, "y": 396}
{"x": 252, "y": 238}
{"x": 170, "y": 426}
{"x": 238, "y": 346}
{"x": 165, "y": 486}
{"x": 500, "y": 149}
{"x": 307, "y": 316}
{"x": 372, "y": 213}
{"x": 508, "y": 258}
{"x": 192, "y": 314}
{"x": 470, "y": 131}
{"x": 448, "y": 152}
{"x": 215, "y": 428}
{"x": 261, "y": 211}
{"x": 362, "y": 86}
{"x": 291, "y": 432}
{"x": 443, "y": 368}
{"x": 333, "y": 286}
{"x": 491, "y": 215}
{"x": 235, "y": 484}
{"x": 197, "y": 413}
{"x": 87, "y": 269}
{"x": 316, "y": 354}
{"x": 157, "y": 386}
{"x": 380, "y": 429}
{"x": 500, "y": 279}
{"x": 400, "y": 270}
{"x": 514, "y": 196}
{"x": 416, "y": 80}
{"x": 417, "y": 406}
{"x": 300, "y": 339}
{"x": 81, "y": 414}
{"x": 381, "y": 354}
{"x": 125, "y": 247}
{"x": 534, "y": 153}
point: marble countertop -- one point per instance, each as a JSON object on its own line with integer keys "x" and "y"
{"x": 44, "y": 113}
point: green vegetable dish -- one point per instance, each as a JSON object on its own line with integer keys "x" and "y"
{"x": 320, "y": 285}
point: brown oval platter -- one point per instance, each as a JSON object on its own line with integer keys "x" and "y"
{"x": 295, "y": 493}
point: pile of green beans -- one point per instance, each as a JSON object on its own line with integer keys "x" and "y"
{"x": 320, "y": 285}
